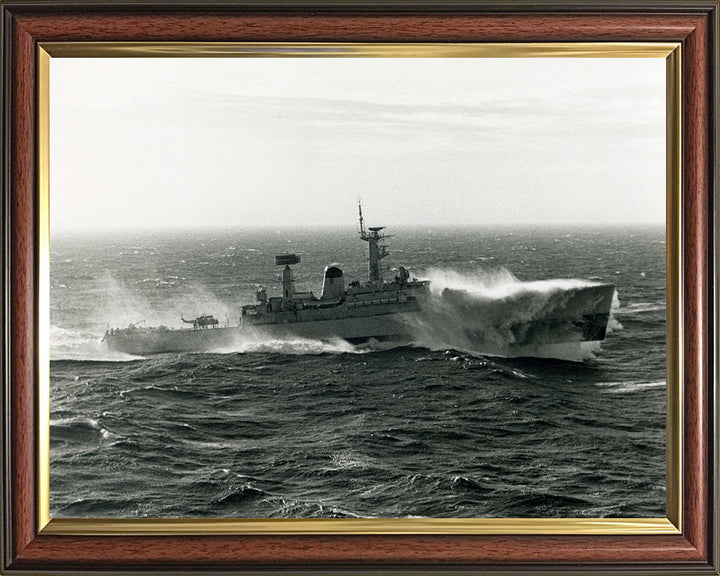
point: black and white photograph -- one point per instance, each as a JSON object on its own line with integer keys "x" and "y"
{"x": 330, "y": 287}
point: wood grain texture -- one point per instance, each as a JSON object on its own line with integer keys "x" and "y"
{"x": 688, "y": 552}
{"x": 356, "y": 550}
{"x": 359, "y": 28}
{"x": 22, "y": 292}
{"x": 696, "y": 196}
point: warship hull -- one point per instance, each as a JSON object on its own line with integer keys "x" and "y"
{"x": 583, "y": 316}
{"x": 403, "y": 309}
{"x": 147, "y": 341}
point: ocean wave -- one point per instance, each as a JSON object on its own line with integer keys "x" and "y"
{"x": 565, "y": 351}
{"x": 76, "y": 344}
{"x": 491, "y": 312}
{"x": 641, "y": 308}
{"x": 259, "y": 343}
{"x": 348, "y": 460}
{"x": 313, "y": 509}
{"x": 93, "y": 507}
{"x": 542, "y": 502}
{"x": 632, "y": 386}
{"x": 79, "y": 430}
{"x": 469, "y": 484}
{"x": 613, "y": 324}
{"x": 241, "y": 495}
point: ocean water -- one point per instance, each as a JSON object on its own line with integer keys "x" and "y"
{"x": 303, "y": 428}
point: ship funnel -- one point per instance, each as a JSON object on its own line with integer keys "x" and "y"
{"x": 333, "y": 283}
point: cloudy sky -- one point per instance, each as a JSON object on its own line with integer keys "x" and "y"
{"x": 234, "y": 142}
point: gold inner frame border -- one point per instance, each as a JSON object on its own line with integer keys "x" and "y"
{"x": 671, "y": 524}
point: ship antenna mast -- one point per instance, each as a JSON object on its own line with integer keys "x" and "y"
{"x": 362, "y": 221}
{"x": 376, "y": 250}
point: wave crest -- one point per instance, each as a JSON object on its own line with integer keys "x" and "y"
{"x": 492, "y": 312}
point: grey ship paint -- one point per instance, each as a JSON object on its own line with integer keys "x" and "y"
{"x": 376, "y": 310}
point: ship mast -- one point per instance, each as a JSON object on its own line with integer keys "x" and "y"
{"x": 376, "y": 250}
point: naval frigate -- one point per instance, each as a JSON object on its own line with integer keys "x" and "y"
{"x": 358, "y": 312}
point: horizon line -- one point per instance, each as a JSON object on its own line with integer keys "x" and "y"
{"x": 335, "y": 226}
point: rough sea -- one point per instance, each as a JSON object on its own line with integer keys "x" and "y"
{"x": 303, "y": 428}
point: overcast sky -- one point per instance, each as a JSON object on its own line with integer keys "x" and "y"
{"x": 234, "y": 142}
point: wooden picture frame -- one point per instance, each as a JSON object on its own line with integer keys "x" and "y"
{"x": 687, "y": 543}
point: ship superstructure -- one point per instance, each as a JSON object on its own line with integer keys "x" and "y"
{"x": 376, "y": 249}
{"x": 354, "y": 312}
{"x": 357, "y": 312}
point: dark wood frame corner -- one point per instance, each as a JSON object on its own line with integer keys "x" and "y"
{"x": 29, "y": 23}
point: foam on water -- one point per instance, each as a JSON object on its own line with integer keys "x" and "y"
{"x": 73, "y": 344}
{"x": 257, "y": 341}
{"x": 347, "y": 460}
{"x": 497, "y": 283}
{"x": 480, "y": 312}
{"x": 630, "y": 386}
{"x": 642, "y": 308}
{"x": 613, "y": 323}
{"x": 568, "y": 351}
